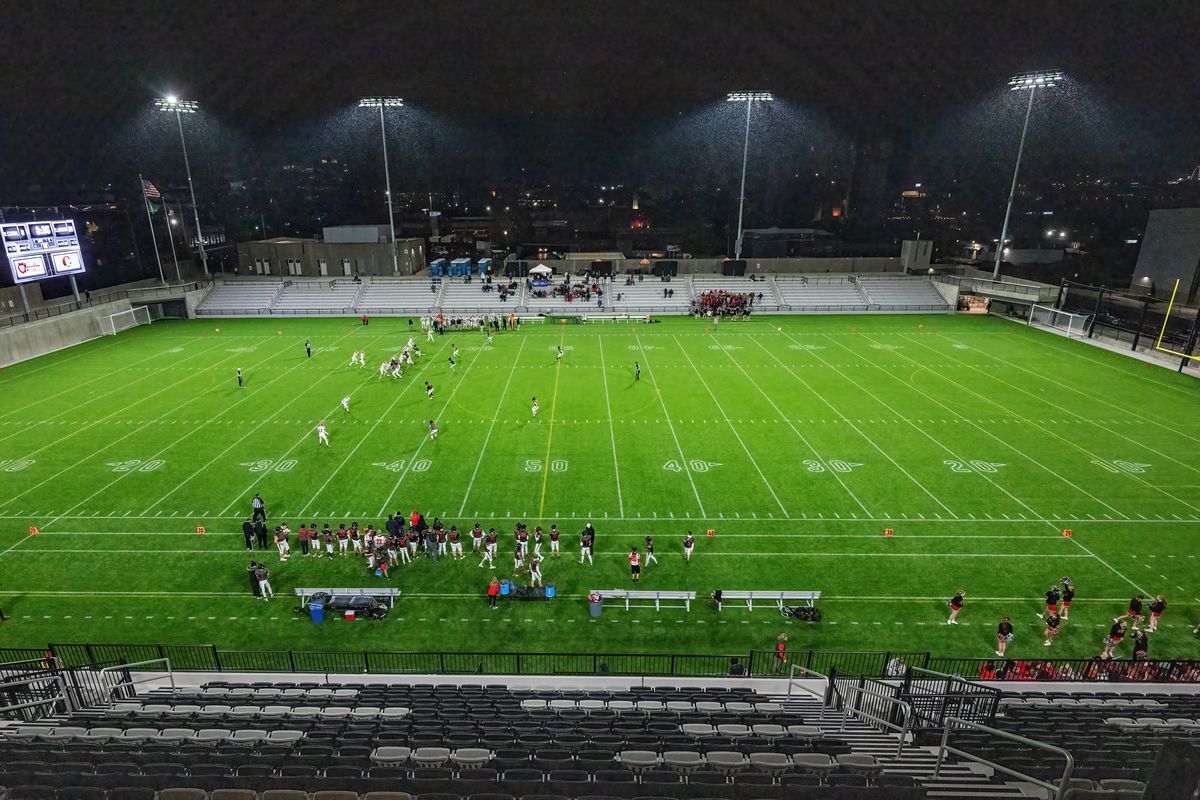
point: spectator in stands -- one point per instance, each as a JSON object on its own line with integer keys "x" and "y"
{"x": 736, "y": 670}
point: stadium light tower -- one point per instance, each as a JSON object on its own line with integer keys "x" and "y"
{"x": 172, "y": 103}
{"x": 749, "y": 98}
{"x": 1031, "y": 82}
{"x": 381, "y": 103}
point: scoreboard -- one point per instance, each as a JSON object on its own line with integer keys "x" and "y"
{"x": 38, "y": 250}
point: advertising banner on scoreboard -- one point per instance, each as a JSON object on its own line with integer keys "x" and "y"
{"x": 38, "y": 250}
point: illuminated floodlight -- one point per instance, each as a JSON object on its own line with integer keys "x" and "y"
{"x": 173, "y": 103}
{"x": 1035, "y": 80}
{"x": 380, "y": 102}
{"x": 743, "y": 97}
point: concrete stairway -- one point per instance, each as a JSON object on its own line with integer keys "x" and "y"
{"x": 958, "y": 778}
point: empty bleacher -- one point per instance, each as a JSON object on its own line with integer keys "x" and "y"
{"x": 497, "y": 741}
{"x": 388, "y": 296}
{"x": 647, "y": 295}
{"x": 1113, "y": 736}
{"x": 317, "y": 297}
{"x": 464, "y": 298}
{"x": 240, "y": 297}
{"x": 904, "y": 293}
{"x": 821, "y": 294}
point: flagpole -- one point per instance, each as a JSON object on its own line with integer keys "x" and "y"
{"x": 150, "y": 222}
{"x": 171, "y": 239}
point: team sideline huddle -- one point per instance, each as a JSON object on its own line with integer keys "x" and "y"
{"x": 402, "y": 540}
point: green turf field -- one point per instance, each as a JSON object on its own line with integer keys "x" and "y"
{"x": 797, "y": 439}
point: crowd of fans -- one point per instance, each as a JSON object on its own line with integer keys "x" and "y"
{"x": 723, "y": 303}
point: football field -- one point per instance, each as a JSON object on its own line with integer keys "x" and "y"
{"x": 796, "y": 440}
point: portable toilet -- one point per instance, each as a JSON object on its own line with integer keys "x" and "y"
{"x": 437, "y": 267}
{"x": 460, "y": 267}
{"x": 485, "y": 266}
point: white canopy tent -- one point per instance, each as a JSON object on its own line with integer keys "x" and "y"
{"x": 541, "y": 269}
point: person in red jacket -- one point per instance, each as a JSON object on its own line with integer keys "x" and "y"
{"x": 493, "y": 592}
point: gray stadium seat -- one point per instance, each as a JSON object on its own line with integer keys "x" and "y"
{"x": 726, "y": 761}
{"x": 683, "y": 761}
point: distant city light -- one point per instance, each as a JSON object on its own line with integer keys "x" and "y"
{"x": 1035, "y": 80}
{"x": 379, "y": 102}
{"x": 742, "y": 97}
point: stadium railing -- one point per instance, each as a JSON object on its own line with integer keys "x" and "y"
{"x": 756, "y": 663}
{"x": 1058, "y": 789}
{"x": 98, "y": 298}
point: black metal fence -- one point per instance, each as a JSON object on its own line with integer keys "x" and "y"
{"x": 1070, "y": 670}
{"x": 755, "y": 663}
{"x": 98, "y": 297}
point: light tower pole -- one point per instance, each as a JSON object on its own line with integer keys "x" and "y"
{"x": 381, "y": 103}
{"x": 1031, "y": 81}
{"x": 173, "y": 104}
{"x": 749, "y": 98}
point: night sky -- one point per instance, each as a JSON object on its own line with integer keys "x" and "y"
{"x": 583, "y": 77}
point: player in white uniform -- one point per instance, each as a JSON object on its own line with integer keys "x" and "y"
{"x": 429, "y": 389}
{"x": 452, "y": 363}
{"x": 454, "y": 351}
{"x": 489, "y": 339}
{"x": 535, "y": 571}
{"x": 354, "y": 358}
{"x": 429, "y": 334}
{"x": 385, "y": 368}
{"x": 535, "y": 407}
{"x": 559, "y": 353}
{"x": 346, "y": 403}
{"x": 433, "y": 429}
{"x": 322, "y": 436}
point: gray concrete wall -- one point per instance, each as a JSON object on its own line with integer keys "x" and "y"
{"x": 23, "y": 342}
{"x": 365, "y": 258}
{"x": 10, "y": 298}
{"x": 700, "y": 266}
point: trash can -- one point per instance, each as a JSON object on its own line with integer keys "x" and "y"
{"x": 317, "y": 612}
{"x": 595, "y": 605}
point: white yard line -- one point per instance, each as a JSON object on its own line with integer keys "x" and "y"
{"x": 856, "y": 429}
{"x": 935, "y": 441}
{"x": 670, "y": 426}
{"x": 1084, "y": 450}
{"x": 108, "y": 445}
{"x": 216, "y": 416}
{"x": 303, "y": 511}
{"x": 1111, "y": 568}
{"x": 1095, "y": 355}
{"x": 755, "y": 554}
{"x": 122, "y": 409}
{"x": 74, "y": 389}
{"x": 612, "y": 435}
{"x": 425, "y": 439}
{"x": 795, "y": 430}
{"x": 1007, "y": 445}
{"x": 500, "y": 404}
{"x": 732, "y": 427}
{"x": 670, "y": 516}
{"x": 240, "y": 439}
{"x": 470, "y": 596}
{"x": 1140, "y": 415}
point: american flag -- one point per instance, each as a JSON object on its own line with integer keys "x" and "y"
{"x": 150, "y": 190}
